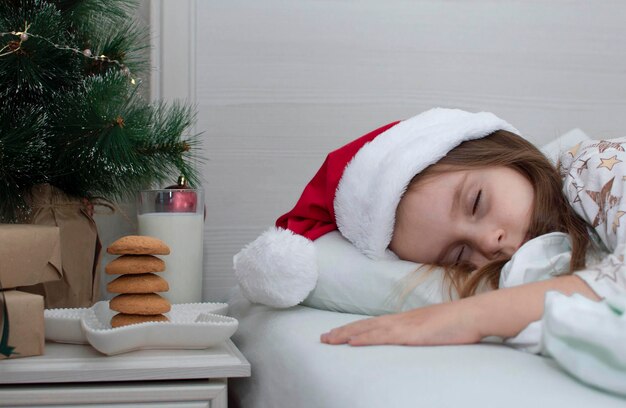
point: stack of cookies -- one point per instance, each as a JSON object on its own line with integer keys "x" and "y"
{"x": 137, "y": 301}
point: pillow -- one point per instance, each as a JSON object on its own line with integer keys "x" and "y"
{"x": 350, "y": 282}
{"x": 554, "y": 149}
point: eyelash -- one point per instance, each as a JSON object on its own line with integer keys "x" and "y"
{"x": 458, "y": 258}
{"x": 474, "y": 208}
{"x": 477, "y": 201}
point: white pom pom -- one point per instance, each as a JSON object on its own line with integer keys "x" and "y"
{"x": 277, "y": 269}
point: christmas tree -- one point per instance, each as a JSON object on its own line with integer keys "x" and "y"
{"x": 71, "y": 114}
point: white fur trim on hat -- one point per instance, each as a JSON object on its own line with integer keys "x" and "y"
{"x": 277, "y": 269}
{"x": 376, "y": 178}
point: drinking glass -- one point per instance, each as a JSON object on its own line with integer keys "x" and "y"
{"x": 176, "y": 216}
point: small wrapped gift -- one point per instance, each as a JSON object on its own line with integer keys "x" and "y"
{"x": 80, "y": 248}
{"x": 29, "y": 254}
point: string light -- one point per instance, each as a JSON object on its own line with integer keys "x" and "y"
{"x": 23, "y": 35}
{"x": 15, "y": 46}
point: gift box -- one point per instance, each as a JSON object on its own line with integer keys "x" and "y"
{"x": 26, "y": 334}
{"x": 80, "y": 248}
{"x": 29, "y": 254}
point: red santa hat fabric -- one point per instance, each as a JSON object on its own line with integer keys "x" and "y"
{"x": 357, "y": 191}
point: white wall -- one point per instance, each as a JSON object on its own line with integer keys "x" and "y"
{"x": 280, "y": 83}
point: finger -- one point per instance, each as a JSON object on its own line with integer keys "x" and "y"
{"x": 372, "y": 337}
{"x": 335, "y": 336}
{"x": 341, "y": 335}
{"x": 325, "y": 338}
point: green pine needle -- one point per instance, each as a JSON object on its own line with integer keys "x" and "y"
{"x": 113, "y": 143}
{"x": 127, "y": 43}
{"x": 110, "y": 12}
{"x": 24, "y": 159}
{"x": 37, "y": 71}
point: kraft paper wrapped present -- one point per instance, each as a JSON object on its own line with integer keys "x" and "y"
{"x": 80, "y": 248}
{"x": 29, "y": 254}
{"x": 24, "y": 335}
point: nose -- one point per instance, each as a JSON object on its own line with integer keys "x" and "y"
{"x": 490, "y": 242}
{"x": 487, "y": 246}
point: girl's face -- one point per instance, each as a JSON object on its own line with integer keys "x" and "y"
{"x": 476, "y": 216}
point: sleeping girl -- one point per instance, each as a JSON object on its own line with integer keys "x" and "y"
{"x": 463, "y": 191}
{"x": 470, "y": 212}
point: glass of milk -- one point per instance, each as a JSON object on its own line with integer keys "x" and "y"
{"x": 176, "y": 216}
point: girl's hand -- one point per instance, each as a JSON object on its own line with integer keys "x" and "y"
{"x": 448, "y": 323}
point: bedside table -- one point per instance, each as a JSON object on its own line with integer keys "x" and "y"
{"x": 77, "y": 375}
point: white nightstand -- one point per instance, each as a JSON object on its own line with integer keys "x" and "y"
{"x": 78, "y": 375}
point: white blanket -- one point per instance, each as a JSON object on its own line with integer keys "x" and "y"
{"x": 593, "y": 351}
{"x": 585, "y": 337}
{"x": 291, "y": 368}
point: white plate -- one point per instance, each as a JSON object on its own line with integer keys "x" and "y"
{"x": 63, "y": 325}
{"x": 190, "y": 326}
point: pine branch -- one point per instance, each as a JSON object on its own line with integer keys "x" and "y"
{"x": 121, "y": 144}
{"x": 126, "y": 43}
{"x": 109, "y": 12}
{"x": 37, "y": 71}
{"x": 168, "y": 124}
{"x": 24, "y": 159}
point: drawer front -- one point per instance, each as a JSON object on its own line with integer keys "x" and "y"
{"x": 184, "y": 393}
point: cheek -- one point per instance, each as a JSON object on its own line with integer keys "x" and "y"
{"x": 418, "y": 234}
{"x": 521, "y": 203}
{"x": 411, "y": 245}
{"x": 528, "y": 201}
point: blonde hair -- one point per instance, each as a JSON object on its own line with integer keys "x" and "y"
{"x": 551, "y": 210}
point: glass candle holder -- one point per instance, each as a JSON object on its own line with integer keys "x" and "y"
{"x": 176, "y": 216}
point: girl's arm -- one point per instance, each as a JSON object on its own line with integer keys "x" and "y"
{"x": 502, "y": 312}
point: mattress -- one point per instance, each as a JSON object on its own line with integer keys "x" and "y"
{"x": 291, "y": 368}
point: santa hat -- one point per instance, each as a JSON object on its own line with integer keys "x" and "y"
{"x": 356, "y": 190}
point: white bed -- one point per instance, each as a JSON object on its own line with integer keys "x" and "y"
{"x": 291, "y": 368}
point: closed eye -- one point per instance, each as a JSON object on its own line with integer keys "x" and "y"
{"x": 477, "y": 201}
{"x": 458, "y": 258}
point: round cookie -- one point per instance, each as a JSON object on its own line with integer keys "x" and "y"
{"x": 135, "y": 264}
{"x": 122, "y": 319}
{"x": 141, "y": 283}
{"x": 143, "y": 304}
{"x": 138, "y": 245}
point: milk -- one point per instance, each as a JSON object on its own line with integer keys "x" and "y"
{"x": 183, "y": 233}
